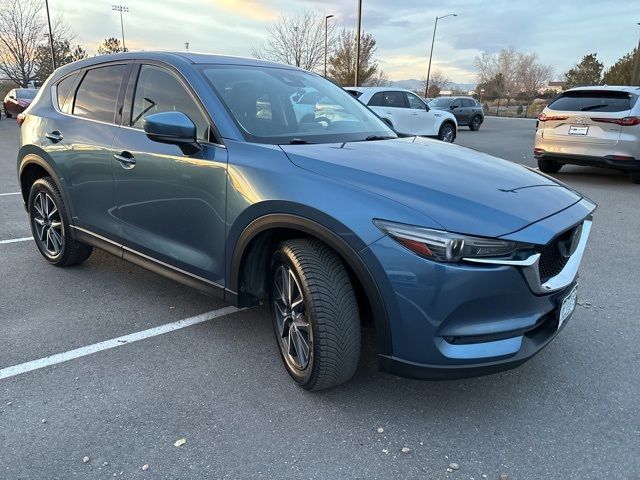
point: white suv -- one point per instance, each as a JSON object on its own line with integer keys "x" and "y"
{"x": 407, "y": 113}
{"x": 595, "y": 126}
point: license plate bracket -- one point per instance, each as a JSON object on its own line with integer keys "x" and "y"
{"x": 567, "y": 306}
{"x": 578, "y": 129}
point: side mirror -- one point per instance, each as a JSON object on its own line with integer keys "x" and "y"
{"x": 452, "y": 107}
{"x": 174, "y": 128}
{"x": 426, "y": 107}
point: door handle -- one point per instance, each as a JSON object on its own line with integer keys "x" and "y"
{"x": 127, "y": 161}
{"x": 54, "y": 136}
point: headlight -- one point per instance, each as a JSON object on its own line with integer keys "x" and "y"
{"x": 448, "y": 247}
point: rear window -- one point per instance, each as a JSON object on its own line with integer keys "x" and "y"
{"x": 593, "y": 100}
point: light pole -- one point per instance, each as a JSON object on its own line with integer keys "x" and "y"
{"x": 359, "y": 26}
{"x": 122, "y": 9}
{"x": 53, "y": 53}
{"x": 326, "y": 33}
{"x": 426, "y": 88}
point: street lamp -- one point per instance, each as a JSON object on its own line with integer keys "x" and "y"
{"x": 359, "y": 24}
{"x": 426, "y": 88}
{"x": 53, "y": 54}
{"x": 326, "y": 29}
{"x": 122, "y": 9}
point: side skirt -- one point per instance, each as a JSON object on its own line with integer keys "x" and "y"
{"x": 161, "y": 268}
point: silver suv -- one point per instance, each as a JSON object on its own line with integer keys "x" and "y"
{"x": 592, "y": 126}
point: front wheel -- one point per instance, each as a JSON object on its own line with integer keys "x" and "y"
{"x": 549, "y": 166}
{"x": 50, "y": 226}
{"x": 447, "y": 133}
{"x": 315, "y": 314}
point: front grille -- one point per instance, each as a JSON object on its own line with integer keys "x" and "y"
{"x": 552, "y": 261}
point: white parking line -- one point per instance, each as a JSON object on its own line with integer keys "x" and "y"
{"x": 115, "y": 342}
{"x": 16, "y": 240}
{"x": 12, "y": 193}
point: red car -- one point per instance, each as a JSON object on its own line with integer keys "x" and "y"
{"x": 17, "y": 100}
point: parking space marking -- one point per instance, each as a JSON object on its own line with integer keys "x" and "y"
{"x": 11, "y": 193}
{"x": 16, "y": 240}
{"x": 115, "y": 342}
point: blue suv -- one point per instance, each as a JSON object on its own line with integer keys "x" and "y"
{"x": 198, "y": 168}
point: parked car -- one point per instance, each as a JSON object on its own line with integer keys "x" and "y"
{"x": 465, "y": 264}
{"x": 467, "y": 110}
{"x": 407, "y": 113}
{"x": 17, "y": 100}
{"x": 591, "y": 126}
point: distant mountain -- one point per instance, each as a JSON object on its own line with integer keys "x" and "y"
{"x": 413, "y": 84}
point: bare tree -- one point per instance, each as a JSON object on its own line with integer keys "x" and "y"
{"x": 380, "y": 79}
{"x": 532, "y": 76}
{"x": 21, "y": 28}
{"x": 504, "y": 63}
{"x": 343, "y": 61}
{"x": 438, "y": 81}
{"x": 296, "y": 40}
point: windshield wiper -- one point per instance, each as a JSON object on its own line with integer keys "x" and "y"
{"x": 298, "y": 141}
{"x": 592, "y": 107}
{"x": 378, "y": 137}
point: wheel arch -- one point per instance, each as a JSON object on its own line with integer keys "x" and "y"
{"x": 251, "y": 254}
{"x": 34, "y": 163}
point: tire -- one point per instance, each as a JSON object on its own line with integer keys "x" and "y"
{"x": 326, "y": 312}
{"x": 50, "y": 226}
{"x": 475, "y": 123}
{"x": 447, "y": 133}
{"x": 635, "y": 177}
{"x": 549, "y": 166}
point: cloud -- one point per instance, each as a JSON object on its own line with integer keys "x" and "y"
{"x": 247, "y": 8}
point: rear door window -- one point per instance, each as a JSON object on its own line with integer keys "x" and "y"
{"x": 97, "y": 94}
{"x": 593, "y": 101}
{"x": 395, "y": 100}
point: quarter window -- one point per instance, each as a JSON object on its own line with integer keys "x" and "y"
{"x": 159, "y": 91}
{"x": 63, "y": 91}
{"x": 97, "y": 95}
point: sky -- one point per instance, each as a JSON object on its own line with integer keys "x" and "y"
{"x": 560, "y": 32}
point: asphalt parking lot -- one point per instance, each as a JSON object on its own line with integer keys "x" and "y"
{"x": 571, "y": 412}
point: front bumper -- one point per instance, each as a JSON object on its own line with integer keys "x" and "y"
{"x": 460, "y": 320}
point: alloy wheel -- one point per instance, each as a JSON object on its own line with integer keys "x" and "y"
{"x": 447, "y": 134}
{"x": 48, "y": 224}
{"x": 293, "y": 328}
{"x": 476, "y": 123}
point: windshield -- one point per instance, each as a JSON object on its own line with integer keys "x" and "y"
{"x": 279, "y": 105}
{"x": 26, "y": 94}
{"x": 442, "y": 102}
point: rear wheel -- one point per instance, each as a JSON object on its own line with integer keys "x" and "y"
{"x": 475, "y": 123}
{"x": 315, "y": 314}
{"x": 549, "y": 166}
{"x": 635, "y": 177}
{"x": 50, "y": 226}
{"x": 447, "y": 133}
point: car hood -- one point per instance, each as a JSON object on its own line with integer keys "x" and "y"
{"x": 462, "y": 190}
